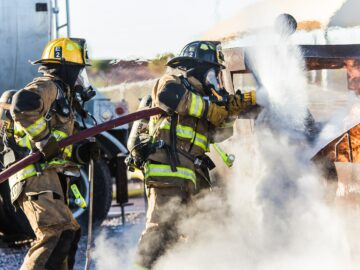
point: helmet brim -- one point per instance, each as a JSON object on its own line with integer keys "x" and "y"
{"x": 56, "y": 61}
{"x": 186, "y": 63}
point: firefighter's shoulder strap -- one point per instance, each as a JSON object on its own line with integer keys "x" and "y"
{"x": 185, "y": 82}
{"x": 61, "y": 104}
{"x": 172, "y": 150}
{"x": 173, "y": 155}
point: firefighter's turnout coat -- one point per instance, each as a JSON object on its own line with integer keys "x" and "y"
{"x": 185, "y": 126}
{"x": 37, "y": 113}
{"x": 44, "y": 106}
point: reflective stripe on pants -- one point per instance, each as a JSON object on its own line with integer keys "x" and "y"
{"x": 163, "y": 170}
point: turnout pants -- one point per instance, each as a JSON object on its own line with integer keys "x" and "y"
{"x": 164, "y": 210}
{"x": 57, "y": 232}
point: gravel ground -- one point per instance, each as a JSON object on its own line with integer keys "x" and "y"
{"x": 112, "y": 234}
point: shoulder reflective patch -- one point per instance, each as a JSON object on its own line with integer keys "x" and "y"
{"x": 36, "y": 128}
{"x": 197, "y": 106}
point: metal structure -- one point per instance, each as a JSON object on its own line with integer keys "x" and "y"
{"x": 91, "y": 195}
{"x": 66, "y": 24}
{"x": 338, "y": 158}
{"x": 316, "y": 57}
{"x": 25, "y": 28}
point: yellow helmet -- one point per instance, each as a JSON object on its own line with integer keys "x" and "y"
{"x": 71, "y": 51}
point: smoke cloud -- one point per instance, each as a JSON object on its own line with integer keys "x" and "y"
{"x": 273, "y": 214}
{"x": 115, "y": 247}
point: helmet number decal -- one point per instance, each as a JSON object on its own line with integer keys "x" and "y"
{"x": 58, "y": 52}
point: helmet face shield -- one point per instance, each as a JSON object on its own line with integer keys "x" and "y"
{"x": 83, "y": 79}
{"x": 213, "y": 80}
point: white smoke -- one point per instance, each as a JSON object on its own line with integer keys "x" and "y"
{"x": 113, "y": 253}
{"x": 273, "y": 215}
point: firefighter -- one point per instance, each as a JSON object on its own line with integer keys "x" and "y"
{"x": 199, "y": 112}
{"x": 43, "y": 112}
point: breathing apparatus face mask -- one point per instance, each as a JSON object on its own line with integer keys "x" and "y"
{"x": 214, "y": 83}
{"x": 83, "y": 87}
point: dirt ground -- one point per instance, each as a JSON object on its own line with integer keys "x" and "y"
{"x": 11, "y": 258}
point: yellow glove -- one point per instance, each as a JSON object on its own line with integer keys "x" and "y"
{"x": 217, "y": 114}
{"x": 241, "y": 101}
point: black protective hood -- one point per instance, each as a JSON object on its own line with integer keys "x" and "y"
{"x": 67, "y": 73}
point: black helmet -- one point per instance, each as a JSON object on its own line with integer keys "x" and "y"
{"x": 199, "y": 53}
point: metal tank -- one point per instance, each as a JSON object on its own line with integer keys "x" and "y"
{"x": 25, "y": 28}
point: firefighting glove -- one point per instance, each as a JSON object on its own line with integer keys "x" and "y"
{"x": 49, "y": 148}
{"x": 217, "y": 114}
{"x": 86, "y": 150}
{"x": 241, "y": 101}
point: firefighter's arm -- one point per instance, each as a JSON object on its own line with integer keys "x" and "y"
{"x": 174, "y": 97}
{"x": 29, "y": 108}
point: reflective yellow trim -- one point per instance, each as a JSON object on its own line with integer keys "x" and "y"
{"x": 188, "y": 133}
{"x": 60, "y": 135}
{"x": 139, "y": 267}
{"x": 197, "y": 105}
{"x": 36, "y": 128}
{"x": 27, "y": 172}
{"x": 163, "y": 170}
{"x": 57, "y": 162}
{"x": 18, "y": 130}
{"x": 30, "y": 170}
{"x": 201, "y": 141}
{"x": 24, "y": 142}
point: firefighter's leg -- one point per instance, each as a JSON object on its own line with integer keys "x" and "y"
{"x": 56, "y": 230}
{"x": 160, "y": 230}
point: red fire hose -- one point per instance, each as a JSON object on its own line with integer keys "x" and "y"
{"x": 36, "y": 156}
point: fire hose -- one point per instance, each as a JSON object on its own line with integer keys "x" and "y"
{"x": 91, "y": 132}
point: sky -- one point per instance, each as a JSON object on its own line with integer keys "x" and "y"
{"x": 119, "y": 29}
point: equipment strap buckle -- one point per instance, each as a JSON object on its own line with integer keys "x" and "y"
{"x": 198, "y": 162}
{"x": 48, "y": 116}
